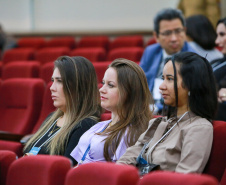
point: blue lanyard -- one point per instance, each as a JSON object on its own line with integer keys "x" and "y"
{"x": 88, "y": 148}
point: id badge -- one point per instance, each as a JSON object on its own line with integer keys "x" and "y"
{"x": 34, "y": 150}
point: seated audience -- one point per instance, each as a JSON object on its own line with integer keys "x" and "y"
{"x": 219, "y": 69}
{"x": 182, "y": 140}
{"x": 169, "y": 31}
{"x": 201, "y": 36}
{"x": 125, "y": 93}
{"x": 76, "y": 97}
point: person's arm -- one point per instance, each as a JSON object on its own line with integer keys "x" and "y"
{"x": 196, "y": 147}
{"x": 75, "y": 136}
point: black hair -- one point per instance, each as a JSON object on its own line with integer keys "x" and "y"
{"x": 201, "y": 31}
{"x": 223, "y": 20}
{"x": 197, "y": 76}
{"x": 167, "y": 14}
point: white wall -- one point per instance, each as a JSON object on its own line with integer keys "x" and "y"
{"x": 79, "y": 15}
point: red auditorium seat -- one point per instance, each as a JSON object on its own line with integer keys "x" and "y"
{"x": 20, "y": 104}
{"x": 21, "y": 70}
{"x": 6, "y": 159}
{"x": 102, "y": 174}
{"x": 151, "y": 41}
{"x": 68, "y": 42}
{"x": 105, "y": 116}
{"x": 171, "y": 178}
{"x": 92, "y": 54}
{"x": 38, "y": 170}
{"x": 31, "y": 42}
{"x": 18, "y": 54}
{"x": 131, "y": 53}
{"x": 1, "y": 69}
{"x": 127, "y": 41}
{"x": 223, "y": 179}
{"x": 45, "y": 55}
{"x": 47, "y": 108}
{"x": 217, "y": 161}
{"x": 94, "y": 41}
{"x": 46, "y": 71}
{"x": 100, "y": 68}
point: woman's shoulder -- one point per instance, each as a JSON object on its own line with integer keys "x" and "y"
{"x": 198, "y": 121}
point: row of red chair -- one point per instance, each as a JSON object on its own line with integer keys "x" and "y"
{"x": 33, "y": 69}
{"x": 56, "y": 170}
{"x": 50, "y": 54}
{"x": 88, "y": 41}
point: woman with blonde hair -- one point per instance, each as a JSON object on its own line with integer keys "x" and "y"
{"x": 75, "y": 95}
{"x": 125, "y": 93}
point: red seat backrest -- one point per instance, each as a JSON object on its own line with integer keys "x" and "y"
{"x": 92, "y": 54}
{"x": 6, "y": 159}
{"x": 47, "y": 107}
{"x": 127, "y": 41}
{"x": 100, "y": 68}
{"x": 20, "y": 104}
{"x": 38, "y": 170}
{"x": 31, "y": 42}
{"x": 102, "y": 174}
{"x": 94, "y": 41}
{"x": 217, "y": 161}
{"x": 68, "y": 42}
{"x": 50, "y": 54}
{"x": 13, "y": 146}
{"x": 21, "y": 70}
{"x": 130, "y": 53}
{"x": 18, "y": 54}
{"x": 46, "y": 71}
{"x": 171, "y": 178}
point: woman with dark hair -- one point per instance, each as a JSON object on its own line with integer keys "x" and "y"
{"x": 125, "y": 93}
{"x": 182, "y": 140}
{"x": 201, "y": 37}
{"x": 219, "y": 69}
{"x": 75, "y": 95}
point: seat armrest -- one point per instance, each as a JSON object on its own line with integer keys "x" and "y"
{"x": 8, "y": 136}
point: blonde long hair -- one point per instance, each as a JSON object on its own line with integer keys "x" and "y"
{"x": 133, "y": 107}
{"x": 82, "y": 101}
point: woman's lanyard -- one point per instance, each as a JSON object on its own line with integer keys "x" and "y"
{"x": 88, "y": 148}
{"x": 35, "y": 150}
{"x": 140, "y": 157}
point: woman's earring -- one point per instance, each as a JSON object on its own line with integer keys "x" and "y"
{"x": 189, "y": 93}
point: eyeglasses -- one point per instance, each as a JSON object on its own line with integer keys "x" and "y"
{"x": 168, "y": 33}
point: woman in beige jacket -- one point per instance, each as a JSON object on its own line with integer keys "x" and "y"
{"x": 181, "y": 141}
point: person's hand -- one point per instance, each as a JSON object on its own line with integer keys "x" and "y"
{"x": 28, "y": 154}
{"x": 222, "y": 95}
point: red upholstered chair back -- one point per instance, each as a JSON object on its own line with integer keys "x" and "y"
{"x": 15, "y": 147}
{"x": 92, "y": 54}
{"x": 38, "y": 170}
{"x": 1, "y": 69}
{"x": 102, "y": 174}
{"x": 68, "y": 42}
{"x": 171, "y": 178}
{"x": 47, "y": 107}
{"x": 100, "y": 68}
{"x": 6, "y": 158}
{"x": 21, "y": 70}
{"x": 217, "y": 161}
{"x": 223, "y": 179}
{"x": 20, "y": 104}
{"x": 18, "y": 54}
{"x": 131, "y": 53}
{"x": 94, "y": 41}
{"x": 45, "y": 55}
{"x": 127, "y": 41}
{"x": 46, "y": 71}
{"x": 31, "y": 42}
{"x": 151, "y": 41}
{"x": 105, "y": 116}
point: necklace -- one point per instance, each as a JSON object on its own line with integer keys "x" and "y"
{"x": 53, "y": 130}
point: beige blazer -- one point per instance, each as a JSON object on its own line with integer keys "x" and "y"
{"x": 186, "y": 148}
